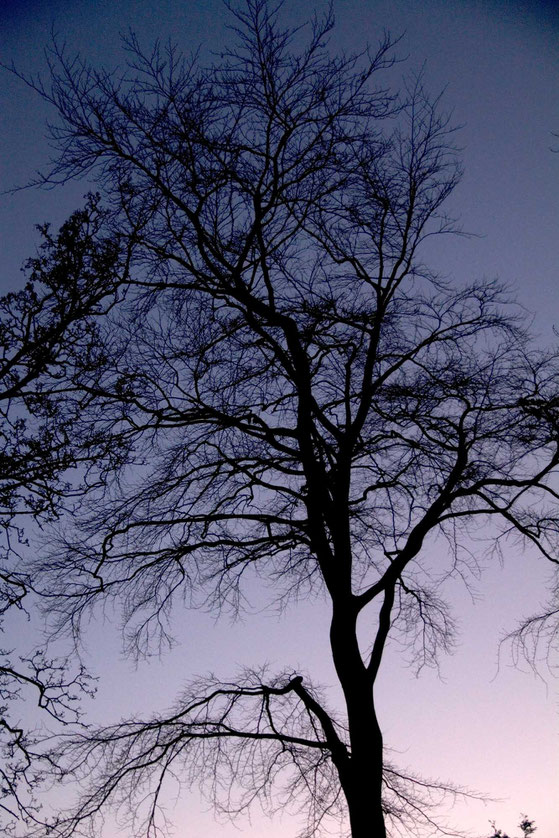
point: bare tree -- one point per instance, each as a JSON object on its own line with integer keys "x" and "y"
{"x": 290, "y": 391}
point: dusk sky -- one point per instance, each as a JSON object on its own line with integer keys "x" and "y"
{"x": 480, "y": 721}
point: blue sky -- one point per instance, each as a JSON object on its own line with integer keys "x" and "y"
{"x": 482, "y": 723}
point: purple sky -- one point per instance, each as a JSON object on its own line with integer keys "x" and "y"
{"x": 481, "y": 724}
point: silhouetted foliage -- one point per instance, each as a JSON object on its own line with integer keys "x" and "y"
{"x": 526, "y": 827}
{"x": 286, "y": 390}
{"x": 43, "y": 329}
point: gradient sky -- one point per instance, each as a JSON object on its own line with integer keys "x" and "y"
{"x": 480, "y": 721}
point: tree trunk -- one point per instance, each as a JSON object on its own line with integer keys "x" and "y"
{"x": 366, "y": 820}
{"x": 362, "y": 784}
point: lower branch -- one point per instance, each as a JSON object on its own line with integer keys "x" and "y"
{"x": 239, "y": 742}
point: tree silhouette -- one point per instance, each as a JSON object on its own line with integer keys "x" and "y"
{"x": 43, "y": 328}
{"x": 526, "y": 826}
{"x": 284, "y": 388}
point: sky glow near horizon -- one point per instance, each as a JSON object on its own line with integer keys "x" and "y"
{"x": 480, "y": 722}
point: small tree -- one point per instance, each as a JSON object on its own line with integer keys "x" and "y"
{"x": 289, "y": 390}
{"x": 526, "y": 826}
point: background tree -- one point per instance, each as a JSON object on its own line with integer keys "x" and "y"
{"x": 43, "y": 328}
{"x": 290, "y": 392}
{"x": 526, "y": 826}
